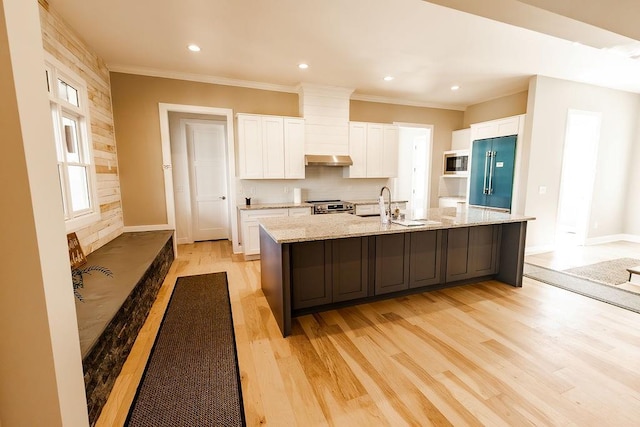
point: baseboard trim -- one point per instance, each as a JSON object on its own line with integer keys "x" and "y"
{"x": 534, "y": 250}
{"x": 613, "y": 238}
{"x": 158, "y": 227}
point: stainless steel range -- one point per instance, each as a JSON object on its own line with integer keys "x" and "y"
{"x": 330, "y": 206}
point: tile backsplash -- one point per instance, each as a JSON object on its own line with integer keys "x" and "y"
{"x": 321, "y": 183}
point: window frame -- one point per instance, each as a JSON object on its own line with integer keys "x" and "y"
{"x": 61, "y": 108}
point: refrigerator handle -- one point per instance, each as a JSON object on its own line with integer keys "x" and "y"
{"x": 492, "y": 154}
{"x": 485, "y": 188}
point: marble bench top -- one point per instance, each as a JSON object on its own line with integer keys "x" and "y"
{"x": 343, "y": 225}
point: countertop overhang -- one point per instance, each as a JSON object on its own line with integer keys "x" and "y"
{"x": 343, "y": 225}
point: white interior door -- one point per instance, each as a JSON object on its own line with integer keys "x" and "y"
{"x": 578, "y": 175}
{"x": 208, "y": 181}
{"x": 414, "y": 159}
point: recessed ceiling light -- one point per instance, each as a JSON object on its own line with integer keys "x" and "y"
{"x": 455, "y": 87}
{"x": 303, "y": 66}
{"x": 388, "y": 78}
{"x": 194, "y": 48}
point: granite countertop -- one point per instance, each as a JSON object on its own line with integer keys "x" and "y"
{"x": 283, "y": 205}
{"x": 371, "y": 201}
{"x": 343, "y": 225}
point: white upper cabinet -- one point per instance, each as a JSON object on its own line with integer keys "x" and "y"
{"x": 375, "y": 141}
{"x": 373, "y": 147}
{"x": 250, "y": 146}
{"x": 495, "y": 128}
{"x": 270, "y": 147}
{"x": 294, "y": 129}
{"x": 390, "y": 147}
{"x": 273, "y": 147}
{"x": 357, "y": 150}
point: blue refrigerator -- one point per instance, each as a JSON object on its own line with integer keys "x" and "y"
{"x": 491, "y": 175}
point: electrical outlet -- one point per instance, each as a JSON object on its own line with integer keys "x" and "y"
{"x": 286, "y": 189}
{"x": 595, "y": 225}
{"x": 252, "y": 191}
{"x": 542, "y": 190}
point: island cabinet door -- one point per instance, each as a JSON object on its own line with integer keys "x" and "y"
{"x": 485, "y": 244}
{"x": 472, "y": 252}
{"x": 350, "y": 268}
{"x": 392, "y": 263}
{"x": 310, "y": 274}
{"x": 425, "y": 265}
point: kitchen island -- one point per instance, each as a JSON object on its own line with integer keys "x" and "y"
{"x": 320, "y": 262}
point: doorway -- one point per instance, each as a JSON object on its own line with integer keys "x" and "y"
{"x": 414, "y": 171}
{"x": 578, "y": 176}
{"x": 184, "y": 211}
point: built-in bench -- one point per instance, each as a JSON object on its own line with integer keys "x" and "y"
{"x": 115, "y": 308}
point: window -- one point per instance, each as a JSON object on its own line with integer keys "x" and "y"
{"x": 76, "y": 171}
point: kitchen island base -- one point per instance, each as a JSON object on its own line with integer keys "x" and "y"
{"x": 309, "y": 276}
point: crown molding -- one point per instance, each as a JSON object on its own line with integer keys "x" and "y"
{"x": 201, "y": 78}
{"x": 396, "y": 101}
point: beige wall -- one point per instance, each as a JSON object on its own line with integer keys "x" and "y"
{"x": 135, "y": 105}
{"x": 443, "y": 121}
{"x": 61, "y": 41}
{"x": 498, "y": 108}
{"x": 551, "y": 100}
{"x": 40, "y": 364}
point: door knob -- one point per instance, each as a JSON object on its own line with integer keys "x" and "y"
{"x": 223, "y": 197}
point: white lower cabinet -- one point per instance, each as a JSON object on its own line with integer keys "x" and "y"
{"x": 250, "y": 226}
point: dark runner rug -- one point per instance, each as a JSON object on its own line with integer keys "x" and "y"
{"x": 192, "y": 376}
{"x": 606, "y": 293}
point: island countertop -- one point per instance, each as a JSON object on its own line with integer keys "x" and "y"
{"x": 343, "y": 225}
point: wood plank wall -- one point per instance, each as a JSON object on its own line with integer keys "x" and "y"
{"x": 65, "y": 45}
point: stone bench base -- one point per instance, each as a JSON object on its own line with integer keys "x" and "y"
{"x": 115, "y": 308}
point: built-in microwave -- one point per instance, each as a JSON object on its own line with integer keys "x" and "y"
{"x": 456, "y": 162}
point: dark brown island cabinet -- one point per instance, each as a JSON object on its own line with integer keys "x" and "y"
{"x": 304, "y": 276}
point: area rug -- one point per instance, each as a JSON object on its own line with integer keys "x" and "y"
{"x": 606, "y": 293}
{"x": 612, "y": 272}
{"x": 192, "y": 376}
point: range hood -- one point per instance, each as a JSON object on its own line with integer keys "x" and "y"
{"x": 326, "y": 114}
{"x": 327, "y": 160}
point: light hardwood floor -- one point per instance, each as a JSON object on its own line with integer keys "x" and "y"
{"x": 483, "y": 354}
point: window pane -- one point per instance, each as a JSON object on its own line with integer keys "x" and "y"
{"x": 78, "y": 184}
{"x": 68, "y": 93}
{"x": 62, "y": 196}
{"x": 71, "y": 143}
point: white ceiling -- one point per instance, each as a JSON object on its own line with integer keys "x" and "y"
{"x": 351, "y": 44}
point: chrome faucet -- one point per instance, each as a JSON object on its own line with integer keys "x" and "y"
{"x": 387, "y": 211}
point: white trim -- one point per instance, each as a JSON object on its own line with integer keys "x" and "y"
{"x": 165, "y": 137}
{"x": 152, "y": 72}
{"x": 533, "y": 250}
{"x": 57, "y": 69}
{"x": 613, "y": 238}
{"x": 385, "y": 100}
{"x": 157, "y": 227}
